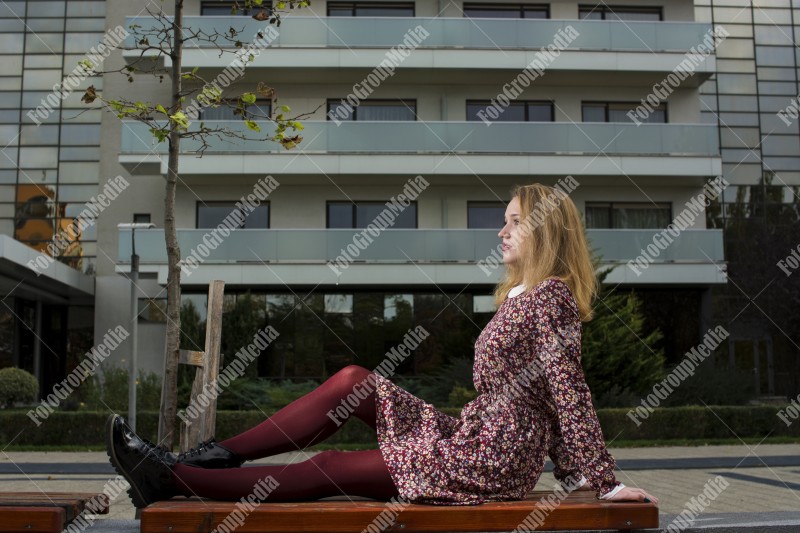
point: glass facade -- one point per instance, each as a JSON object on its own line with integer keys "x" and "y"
{"x": 49, "y": 166}
{"x": 322, "y": 332}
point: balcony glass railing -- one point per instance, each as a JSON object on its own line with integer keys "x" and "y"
{"x": 459, "y": 137}
{"x": 495, "y": 34}
{"x": 400, "y": 245}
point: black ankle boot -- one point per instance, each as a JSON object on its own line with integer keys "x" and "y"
{"x": 147, "y": 468}
{"x": 211, "y": 454}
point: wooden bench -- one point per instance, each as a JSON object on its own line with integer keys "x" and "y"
{"x": 579, "y": 511}
{"x": 46, "y": 512}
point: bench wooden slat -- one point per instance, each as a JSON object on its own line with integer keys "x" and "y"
{"x": 73, "y": 503}
{"x": 21, "y": 519}
{"x": 578, "y": 511}
{"x": 80, "y": 499}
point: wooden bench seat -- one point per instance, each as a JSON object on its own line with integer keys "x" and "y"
{"x": 579, "y": 511}
{"x": 46, "y": 512}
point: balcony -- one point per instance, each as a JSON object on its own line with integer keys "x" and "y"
{"x": 431, "y": 148}
{"x": 452, "y": 43}
{"x": 399, "y": 256}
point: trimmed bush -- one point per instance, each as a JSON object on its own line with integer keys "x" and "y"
{"x": 17, "y": 385}
{"x": 86, "y": 428}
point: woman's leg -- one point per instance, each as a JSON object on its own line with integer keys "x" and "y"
{"x": 328, "y": 473}
{"x": 311, "y": 418}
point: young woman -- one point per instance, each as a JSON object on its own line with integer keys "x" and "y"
{"x": 533, "y": 402}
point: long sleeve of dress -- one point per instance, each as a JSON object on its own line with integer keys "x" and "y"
{"x": 581, "y": 448}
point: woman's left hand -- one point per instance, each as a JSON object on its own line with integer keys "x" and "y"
{"x": 631, "y": 493}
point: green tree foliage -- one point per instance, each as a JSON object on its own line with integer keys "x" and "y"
{"x": 620, "y": 359}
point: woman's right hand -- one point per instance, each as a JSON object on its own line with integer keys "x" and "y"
{"x": 633, "y": 494}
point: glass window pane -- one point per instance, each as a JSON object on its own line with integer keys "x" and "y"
{"x": 211, "y": 215}
{"x": 485, "y": 215}
{"x": 386, "y": 111}
{"x": 491, "y": 11}
{"x": 540, "y": 112}
{"x": 398, "y": 304}
{"x": 598, "y": 216}
{"x": 590, "y": 13}
{"x": 370, "y": 9}
{"x": 339, "y": 303}
{"x": 258, "y": 218}
{"x": 594, "y": 112}
{"x": 340, "y": 215}
{"x": 641, "y": 216}
{"x": 483, "y": 304}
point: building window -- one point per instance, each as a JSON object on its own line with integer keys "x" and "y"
{"x": 222, "y": 9}
{"x": 228, "y": 111}
{"x": 630, "y": 13}
{"x": 361, "y": 214}
{"x": 212, "y": 214}
{"x": 141, "y": 218}
{"x": 370, "y": 9}
{"x": 628, "y": 215}
{"x": 485, "y": 215}
{"x": 618, "y": 112}
{"x": 388, "y": 110}
{"x": 507, "y": 11}
{"x": 519, "y": 111}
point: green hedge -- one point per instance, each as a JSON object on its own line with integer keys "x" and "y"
{"x": 86, "y": 428}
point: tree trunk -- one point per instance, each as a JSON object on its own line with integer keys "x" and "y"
{"x": 169, "y": 388}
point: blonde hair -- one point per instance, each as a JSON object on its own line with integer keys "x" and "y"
{"x": 552, "y": 243}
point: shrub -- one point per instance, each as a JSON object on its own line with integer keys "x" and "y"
{"x": 17, "y": 385}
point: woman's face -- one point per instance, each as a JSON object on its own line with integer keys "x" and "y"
{"x": 509, "y": 232}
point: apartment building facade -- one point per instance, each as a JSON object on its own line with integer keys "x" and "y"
{"x": 424, "y": 125}
{"x": 421, "y": 128}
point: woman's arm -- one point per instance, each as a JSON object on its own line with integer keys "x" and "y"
{"x": 552, "y": 315}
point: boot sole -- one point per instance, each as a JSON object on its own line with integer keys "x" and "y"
{"x": 133, "y": 491}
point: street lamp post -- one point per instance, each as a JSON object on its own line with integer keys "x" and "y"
{"x": 134, "y": 277}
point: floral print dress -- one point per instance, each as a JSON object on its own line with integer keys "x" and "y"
{"x": 532, "y": 402}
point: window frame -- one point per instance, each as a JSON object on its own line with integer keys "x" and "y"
{"x": 487, "y": 103}
{"x": 522, "y": 8}
{"x": 354, "y": 214}
{"x": 356, "y": 4}
{"x": 241, "y": 11}
{"x": 260, "y": 102}
{"x": 607, "y": 103}
{"x": 332, "y": 103}
{"x": 604, "y": 9}
{"x": 232, "y": 203}
{"x": 612, "y": 203}
{"x": 486, "y": 203}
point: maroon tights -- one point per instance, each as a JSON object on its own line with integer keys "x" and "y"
{"x": 304, "y": 422}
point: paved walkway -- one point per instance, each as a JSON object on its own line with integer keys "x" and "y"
{"x": 761, "y": 479}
